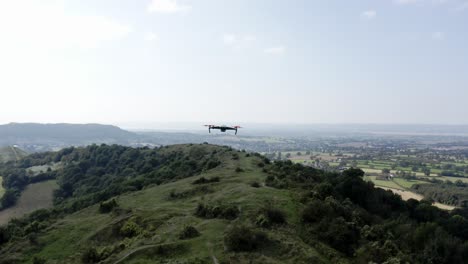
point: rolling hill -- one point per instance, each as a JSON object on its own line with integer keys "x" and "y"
{"x": 212, "y": 204}
{"x": 33, "y": 136}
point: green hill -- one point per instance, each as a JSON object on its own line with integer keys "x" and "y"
{"x": 211, "y": 204}
{"x": 11, "y": 154}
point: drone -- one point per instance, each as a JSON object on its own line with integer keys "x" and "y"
{"x": 222, "y": 128}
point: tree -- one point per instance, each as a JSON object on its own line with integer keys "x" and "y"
{"x": 427, "y": 171}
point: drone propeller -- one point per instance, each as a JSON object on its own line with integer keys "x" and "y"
{"x": 237, "y": 127}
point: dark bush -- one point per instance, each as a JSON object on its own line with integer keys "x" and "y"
{"x": 106, "y": 207}
{"x": 275, "y": 216}
{"x": 315, "y": 211}
{"x": 189, "y": 232}
{"x": 270, "y": 216}
{"x": 90, "y": 256}
{"x": 255, "y": 184}
{"x": 229, "y": 212}
{"x": 238, "y": 169}
{"x": 38, "y": 260}
{"x": 203, "y": 180}
{"x": 242, "y": 238}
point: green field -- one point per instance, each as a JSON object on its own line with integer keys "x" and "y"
{"x": 34, "y": 197}
{"x": 43, "y": 168}
{"x": 383, "y": 183}
{"x": 407, "y": 183}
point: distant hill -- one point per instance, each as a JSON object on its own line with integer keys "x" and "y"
{"x": 10, "y": 153}
{"x": 34, "y": 137}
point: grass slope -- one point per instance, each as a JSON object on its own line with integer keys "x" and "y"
{"x": 35, "y": 196}
{"x": 2, "y": 190}
{"x": 163, "y": 218}
{"x": 11, "y": 154}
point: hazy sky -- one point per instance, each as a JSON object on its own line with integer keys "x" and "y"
{"x": 300, "y": 61}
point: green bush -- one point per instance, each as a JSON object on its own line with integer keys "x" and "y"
{"x": 243, "y": 238}
{"x": 189, "y": 232}
{"x": 106, "y": 207}
{"x": 130, "y": 229}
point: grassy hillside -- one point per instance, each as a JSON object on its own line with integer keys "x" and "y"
{"x": 2, "y": 190}
{"x": 163, "y": 219}
{"x": 35, "y": 196}
{"x": 11, "y": 154}
{"x": 243, "y": 209}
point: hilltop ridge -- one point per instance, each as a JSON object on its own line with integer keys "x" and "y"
{"x": 37, "y": 136}
{"x": 211, "y": 204}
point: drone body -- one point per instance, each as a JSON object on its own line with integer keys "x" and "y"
{"x": 222, "y": 128}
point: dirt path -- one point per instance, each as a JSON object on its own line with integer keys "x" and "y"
{"x": 133, "y": 252}
{"x": 406, "y": 195}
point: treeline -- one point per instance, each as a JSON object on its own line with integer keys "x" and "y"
{"x": 368, "y": 224}
{"x": 447, "y": 192}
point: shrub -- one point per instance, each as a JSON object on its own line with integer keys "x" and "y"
{"x": 38, "y": 260}
{"x": 255, "y": 184}
{"x": 229, "y": 212}
{"x": 243, "y": 238}
{"x": 189, "y": 232}
{"x": 90, "y": 256}
{"x": 238, "y": 169}
{"x": 106, "y": 207}
{"x": 203, "y": 180}
{"x": 130, "y": 229}
{"x": 315, "y": 211}
{"x": 275, "y": 216}
{"x": 270, "y": 216}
